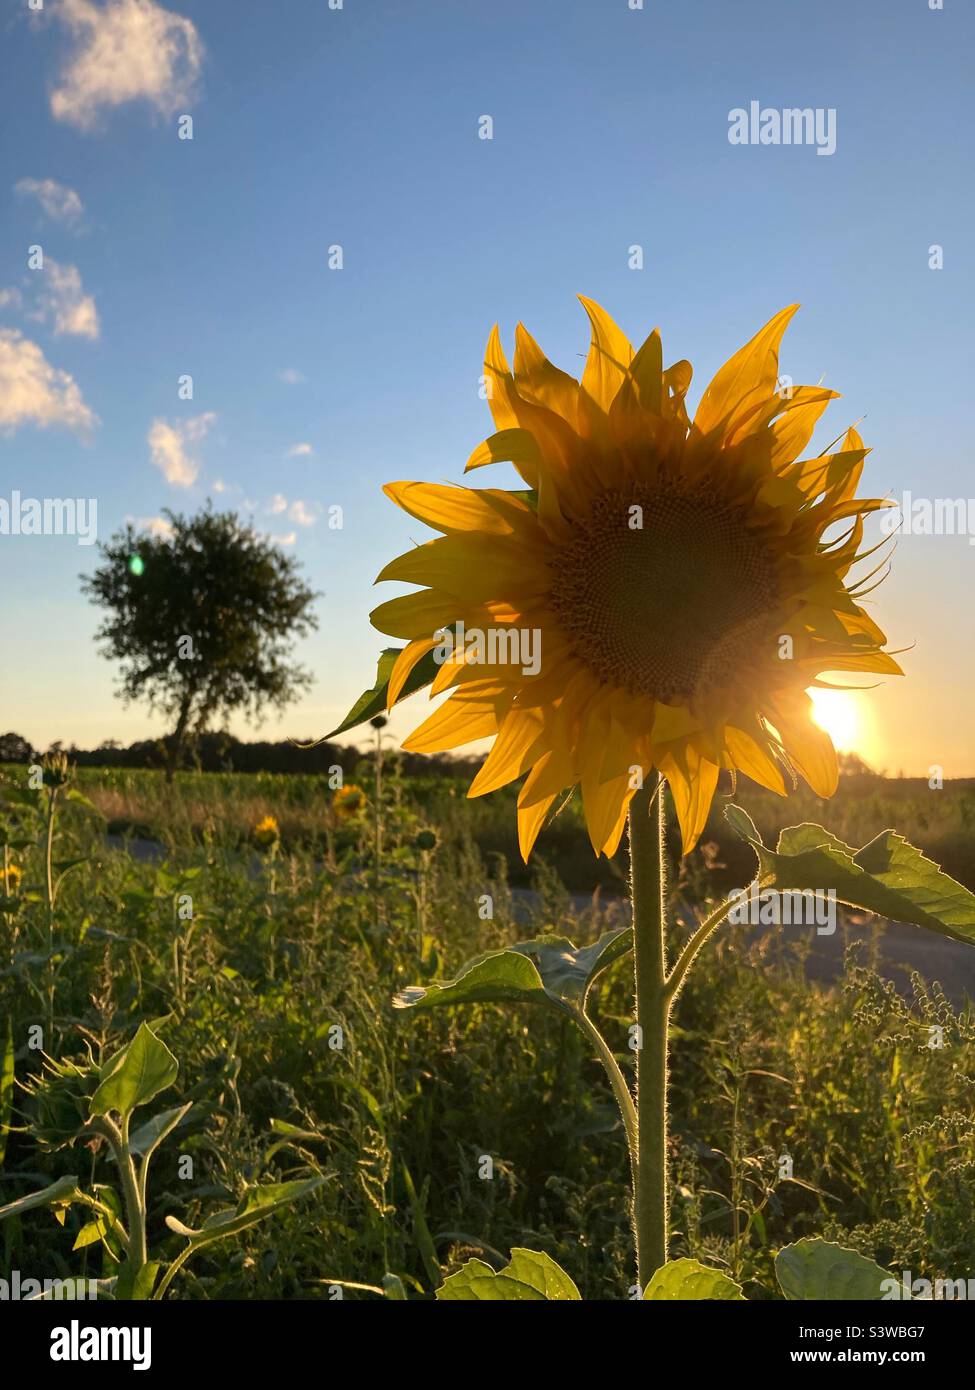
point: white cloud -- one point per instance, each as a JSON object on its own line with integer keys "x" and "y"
{"x": 171, "y": 445}
{"x": 10, "y": 299}
{"x": 291, "y": 376}
{"x": 61, "y": 204}
{"x": 297, "y": 511}
{"x": 300, "y": 451}
{"x": 155, "y": 525}
{"x": 62, "y": 300}
{"x": 287, "y": 538}
{"x": 33, "y": 392}
{"x": 125, "y": 50}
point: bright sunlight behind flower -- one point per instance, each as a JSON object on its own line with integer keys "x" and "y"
{"x": 687, "y": 580}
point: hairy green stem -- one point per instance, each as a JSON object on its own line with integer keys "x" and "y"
{"x": 653, "y": 999}
{"x": 617, "y": 1080}
{"x": 50, "y": 893}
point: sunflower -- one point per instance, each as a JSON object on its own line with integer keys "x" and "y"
{"x": 348, "y": 801}
{"x": 266, "y": 833}
{"x": 10, "y": 878}
{"x": 686, "y": 580}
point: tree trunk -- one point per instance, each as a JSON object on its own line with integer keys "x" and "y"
{"x": 178, "y": 737}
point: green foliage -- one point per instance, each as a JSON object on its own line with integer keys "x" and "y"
{"x": 131, "y": 1078}
{"x": 768, "y": 1060}
{"x": 550, "y": 969}
{"x": 887, "y": 876}
{"x": 685, "y": 1279}
{"x": 215, "y": 583}
{"x": 135, "y": 1076}
{"x": 529, "y": 1276}
{"x": 820, "y": 1270}
{"x": 372, "y": 702}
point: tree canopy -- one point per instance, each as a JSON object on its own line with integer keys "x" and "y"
{"x": 202, "y": 618}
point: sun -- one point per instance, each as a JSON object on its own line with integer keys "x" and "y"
{"x": 841, "y": 714}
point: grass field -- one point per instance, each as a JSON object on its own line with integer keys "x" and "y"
{"x": 797, "y": 1109}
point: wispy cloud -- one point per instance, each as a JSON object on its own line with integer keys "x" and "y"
{"x": 297, "y": 511}
{"x": 155, "y": 525}
{"x": 298, "y": 451}
{"x": 33, "y": 392}
{"x": 125, "y": 50}
{"x": 58, "y": 202}
{"x": 285, "y": 538}
{"x": 172, "y": 447}
{"x": 291, "y": 376}
{"x": 62, "y": 301}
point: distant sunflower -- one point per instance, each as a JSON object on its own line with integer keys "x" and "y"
{"x": 676, "y": 571}
{"x": 266, "y": 832}
{"x": 348, "y": 801}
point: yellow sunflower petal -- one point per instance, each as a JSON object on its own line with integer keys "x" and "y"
{"x": 745, "y": 378}
{"x": 610, "y": 355}
{"x": 539, "y": 380}
{"x": 407, "y": 659}
{"x": 808, "y": 746}
{"x": 414, "y": 615}
{"x": 463, "y": 509}
{"x": 512, "y": 752}
{"x": 460, "y": 719}
{"x": 516, "y": 446}
{"x": 692, "y": 781}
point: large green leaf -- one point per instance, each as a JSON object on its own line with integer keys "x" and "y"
{"x": 136, "y": 1282}
{"x": 63, "y": 1191}
{"x": 147, "y": 1138}
{"x": 887, "y": 876}
{"x": 254, "y": 1206}
{"x": 689, "y": 1279}
{"x": 818, "y": 1270}
{"x": 137, "y": 1074}
{"x": 548, "y": 970}
{"x": 530, "y": 1276}
{"x": 373, "y": 701}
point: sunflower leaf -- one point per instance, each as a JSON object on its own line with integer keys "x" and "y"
{"x": 888, "y": 875}
{"x": 686, "y": 1279}
{"x": 529, "y": 1277}
{"x": 548, "y": 970}
{"x": 373, "y": 701}
{"x": 817, "y": 1270}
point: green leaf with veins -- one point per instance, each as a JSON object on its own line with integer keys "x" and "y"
{"x": 818, "y": 1270}
{"x": 530, "y": 1276}
{"x": 548, "y": 970}
{"x": 135, "y": 1075}
{"x": 887, "y": 876}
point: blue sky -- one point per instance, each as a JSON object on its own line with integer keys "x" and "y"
{"x": 359, "y": 127}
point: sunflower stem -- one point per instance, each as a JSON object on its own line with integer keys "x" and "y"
{"x": 653, "y": 1000}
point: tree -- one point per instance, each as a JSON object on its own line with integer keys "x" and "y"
{"x": 202, "y": 620}
{"x": 15, "y": 749}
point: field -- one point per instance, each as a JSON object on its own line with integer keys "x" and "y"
{"x": 798, "y": 1106}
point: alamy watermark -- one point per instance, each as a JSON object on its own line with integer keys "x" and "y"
{"x": 930, "y": 516}
{"x": 18, "y": 1288}
{"x": 49, "y": 516}
{"x": 769, "y": 907}
{"x": 793, "y": 125}
{"x": 927, "y": 1290}
{"x": 493, "y": 646}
